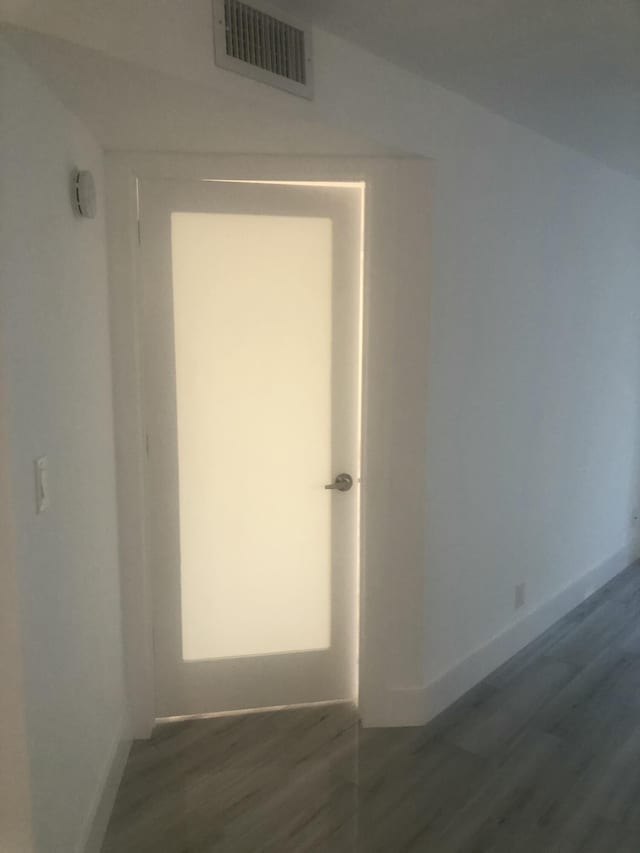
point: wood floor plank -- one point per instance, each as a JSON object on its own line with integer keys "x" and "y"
{"x": 541, "y": 757}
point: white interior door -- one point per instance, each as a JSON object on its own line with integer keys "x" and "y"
{"x": 252, "y": 307}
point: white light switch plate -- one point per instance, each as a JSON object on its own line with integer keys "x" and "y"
{"x": 42, "y": 484}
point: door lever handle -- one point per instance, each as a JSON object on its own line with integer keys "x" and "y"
{"x": 342, "y": 483}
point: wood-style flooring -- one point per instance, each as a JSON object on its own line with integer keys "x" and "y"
{"x": 544, "y": 756}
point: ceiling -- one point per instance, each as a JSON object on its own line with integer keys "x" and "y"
{"x": 569, "y": 69}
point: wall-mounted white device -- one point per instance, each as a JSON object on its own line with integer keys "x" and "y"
{"x": 84, "y": 193}
{"x": 42, "y": 484}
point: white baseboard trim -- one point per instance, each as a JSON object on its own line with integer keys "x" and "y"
{"x": 105, "y": 795}
{"x": 416, "y": 706}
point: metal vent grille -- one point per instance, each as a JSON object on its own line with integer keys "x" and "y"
{"x": 253, "y": 41}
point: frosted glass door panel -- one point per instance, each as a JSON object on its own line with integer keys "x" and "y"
{"x": 253, "y": 342}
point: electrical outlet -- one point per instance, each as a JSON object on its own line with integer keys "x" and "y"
{"x": 519, "y": 597}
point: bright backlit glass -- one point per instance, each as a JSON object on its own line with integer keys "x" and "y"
{"x": 252, "y": 317}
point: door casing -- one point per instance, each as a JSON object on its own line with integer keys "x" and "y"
{"x": 396, "y": 294}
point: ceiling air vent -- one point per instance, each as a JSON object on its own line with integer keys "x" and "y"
{"x": 263, "y": 44}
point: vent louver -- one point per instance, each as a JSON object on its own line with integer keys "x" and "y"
{"x": 264, "y": 45}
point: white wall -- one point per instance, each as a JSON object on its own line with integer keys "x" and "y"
{"x": 535, "y": 384}
{"x": 534, "y": 367}
{"x": 53, "y": 307}
{"x": 15, "y": 793}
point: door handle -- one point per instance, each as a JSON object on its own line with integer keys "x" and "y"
{"x": 342, "y": 483}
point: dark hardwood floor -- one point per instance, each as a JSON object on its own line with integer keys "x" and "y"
{"x": 544, "y": 756}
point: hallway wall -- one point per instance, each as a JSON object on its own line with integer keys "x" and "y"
{"x": 15, "y": 793}
{"x": 56, "y": 360}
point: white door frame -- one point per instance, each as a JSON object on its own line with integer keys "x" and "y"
{"x": 396, "y": 288}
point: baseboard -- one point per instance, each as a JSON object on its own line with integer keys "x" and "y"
{"x": 416, "y": 706}
{"x": 105, "y": 796}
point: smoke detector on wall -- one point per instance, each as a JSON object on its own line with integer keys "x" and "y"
{"x": 259, "y": 41}
{"x": 84, "y": 193}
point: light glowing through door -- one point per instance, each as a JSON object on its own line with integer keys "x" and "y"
{"x": 252, "y": 320}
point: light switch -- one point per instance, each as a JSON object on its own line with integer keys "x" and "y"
{"x": 42, "y": 484}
